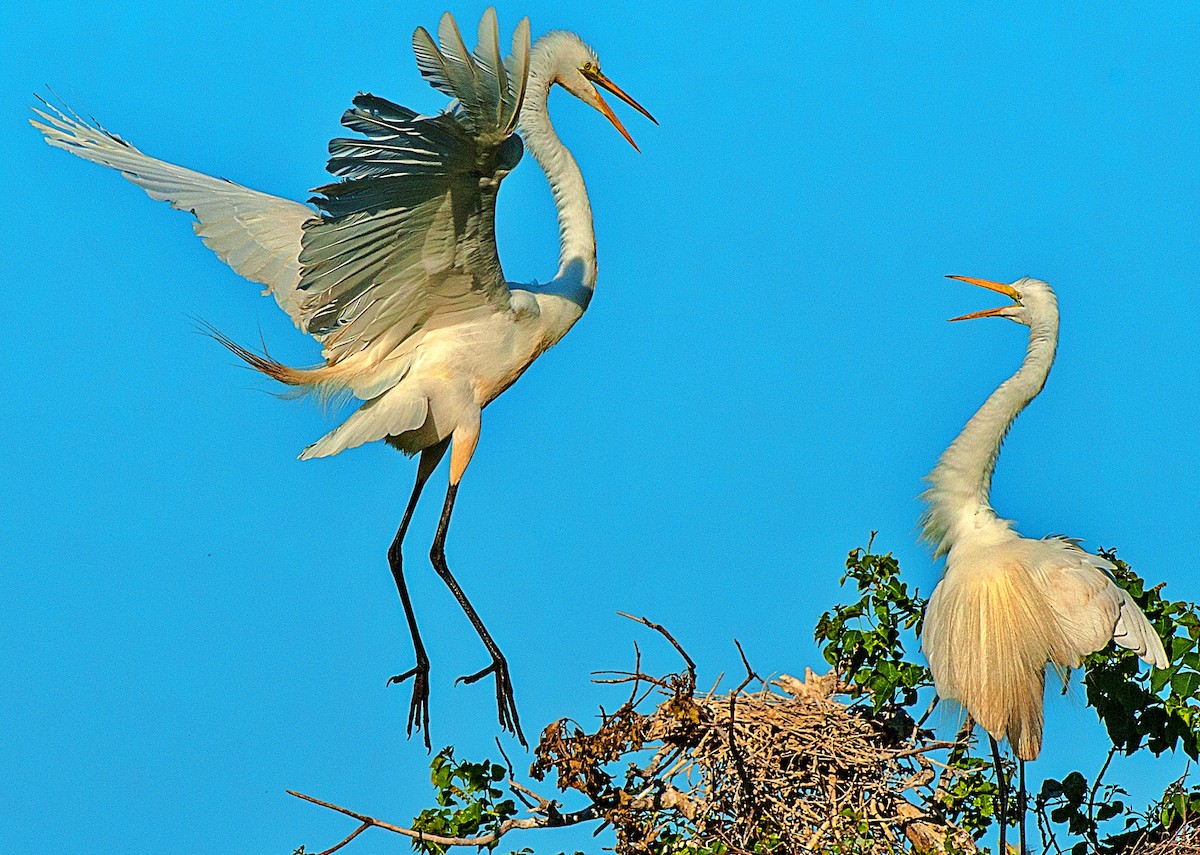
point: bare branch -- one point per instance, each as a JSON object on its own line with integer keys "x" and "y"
{"x": 661, "y": 630}
{"x": 548, "y": 820}
{"x": 353, "y": 834}
{"x": 738, "y": 762}
{"x": 927, "y": 747}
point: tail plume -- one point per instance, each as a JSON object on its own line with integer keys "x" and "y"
{"x": 988, "y": 637}
{"x": 324, "y": 381}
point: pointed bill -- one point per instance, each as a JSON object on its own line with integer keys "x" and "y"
{"x": 986, "y": 313}
{"x": 606, "y": 110}
{"x": 599, "y": 79}
{"x": 999, "y": 287}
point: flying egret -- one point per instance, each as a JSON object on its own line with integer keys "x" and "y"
{"x": 397, "y": 274}
{"x": 1007, "y": 605}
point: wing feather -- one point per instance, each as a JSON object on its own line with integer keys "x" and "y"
{"x": 407, "y": 237}
{"x": 256, "y": 234}
{"x": 431, "y": 63}
{"x": 404, "y": 240}
{"x": 491, "y": 66}
{"x": 1091, "y": 608}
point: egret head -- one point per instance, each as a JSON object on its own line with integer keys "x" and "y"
{"x": 1032, "y": 298}
{"x": 569, "y": 62}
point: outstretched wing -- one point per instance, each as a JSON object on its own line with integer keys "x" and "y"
{"x": 407, "y": 240}
{"x": 256, "y": 234}
{"x": 1091, "y": 608}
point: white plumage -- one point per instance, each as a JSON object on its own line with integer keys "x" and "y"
{"x": 397, "y": 272}
{"x": 1008, "y": 606}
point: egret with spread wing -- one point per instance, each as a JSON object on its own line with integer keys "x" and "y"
{"x": 1007, "y": 606}
{"x": 397, "y": 274}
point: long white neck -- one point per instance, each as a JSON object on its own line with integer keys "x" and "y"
{"x": 961, "y": 483}
{"x": 576, "y": 277}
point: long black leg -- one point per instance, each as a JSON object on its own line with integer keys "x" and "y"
{"x": 1002, "y": 784}
{"x": 505, "y": 705}
{"x": 1021, "y": 805}
{"x": 418, "y": 709}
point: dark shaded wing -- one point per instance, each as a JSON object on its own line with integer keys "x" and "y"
{"x": 407, "y": 240}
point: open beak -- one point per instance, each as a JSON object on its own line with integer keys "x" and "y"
{"x": 600, "y": 80}
{"x": 998, "y": 287}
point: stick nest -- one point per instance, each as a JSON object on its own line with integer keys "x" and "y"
{"x": 780, "y": 768}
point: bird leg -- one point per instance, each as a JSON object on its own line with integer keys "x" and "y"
{"x": 505, "y": 705}
{"x": 1002, "y": 784}
{"x": 418, "y": 709}
{"x": 1021, "y": 803}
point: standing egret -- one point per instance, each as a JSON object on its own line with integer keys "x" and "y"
{"x": 1007, "y": 606}
{"x": 397, "y": 274}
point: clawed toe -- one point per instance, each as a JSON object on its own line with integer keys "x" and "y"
{"x": 506, "y": 706}
{"x": 418, "y": 708}
{"x": 468, "y": 679}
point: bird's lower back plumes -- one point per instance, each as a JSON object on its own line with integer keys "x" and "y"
{"x": 988, "y": 636}
{"x": 1006, "y": 610}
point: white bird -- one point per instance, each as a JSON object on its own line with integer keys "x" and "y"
{"x": 1007, "y": 605}
{"x": 397, "y": 274}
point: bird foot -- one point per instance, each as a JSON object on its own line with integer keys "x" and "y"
{"x": 506, "y": 707}
{"x": 418, "y": 708}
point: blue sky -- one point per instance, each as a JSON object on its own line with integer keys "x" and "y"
{"x": 196, "y": 621}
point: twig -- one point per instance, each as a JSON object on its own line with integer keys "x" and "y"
{"x": 738, "y": 761}
{"x": 1045, "y": 828}
{"x": 661, "y": 630}
{"x": 353, "y": 834}
{"x": 541, "y": 803}
{"x": 630, "y": 678}
{"x": 511, "y": 772}
{"x": 1092, "y": 837}
{"x": 924, "y": 718}
{"x": 922, "y": 749}
{"x": 963, "y": 738}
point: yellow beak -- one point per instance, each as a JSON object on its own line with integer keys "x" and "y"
{"x": 601, "y": 80}
{"x": 998, "y": 287}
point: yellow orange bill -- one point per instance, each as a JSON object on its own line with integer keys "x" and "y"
{"x": 612, "y": 117}
{"x": 986, "y": 313}
{"x": 998, "y": 287}
{"x": 595, "y": 75}
{"x": 600, "y": 79}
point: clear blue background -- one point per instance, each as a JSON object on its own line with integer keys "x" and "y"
{"x": 194, "y": 621}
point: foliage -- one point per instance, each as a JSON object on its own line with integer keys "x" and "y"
{"x": 1161, "y": 709}
{"x": 864, "y": 641}
{"x": 468, "y": 797}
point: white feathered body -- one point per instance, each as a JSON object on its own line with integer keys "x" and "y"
{"x": 1009, "y": 606}
{"x": 442, "y": 378}
{"x": 409, "y": 302}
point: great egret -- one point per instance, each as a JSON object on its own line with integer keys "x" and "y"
{"x": 398, "y": 274}
{"x": 1007, "y": 605}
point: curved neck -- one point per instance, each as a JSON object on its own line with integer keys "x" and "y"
{"x": 577, "y": 256}
{"x": 961, "y": 483}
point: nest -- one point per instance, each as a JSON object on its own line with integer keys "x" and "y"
{"x": 782, "y": 768}
{"x": 1184, "y": 840}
